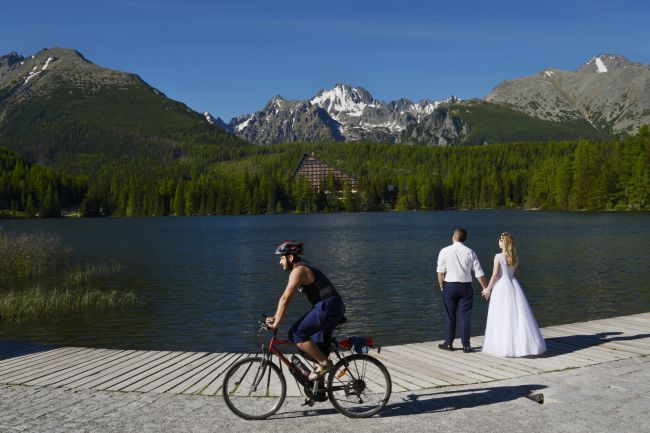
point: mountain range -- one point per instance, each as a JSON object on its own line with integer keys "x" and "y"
{"x": 60, "y": 109}
{"x": 341, "y": 113}
{"x": 605, "y": 96}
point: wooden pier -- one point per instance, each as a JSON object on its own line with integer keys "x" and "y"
{"x": 412, "y": 366}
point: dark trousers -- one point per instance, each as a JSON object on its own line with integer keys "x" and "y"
{"x": 458, "y": 296}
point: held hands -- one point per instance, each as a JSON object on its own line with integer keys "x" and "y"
{"x": 486, "y": 293}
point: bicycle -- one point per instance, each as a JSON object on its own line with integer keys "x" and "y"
{"x": 358, "y": 385}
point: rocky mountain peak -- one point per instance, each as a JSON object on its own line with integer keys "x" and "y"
{"x": 11, "y": 59}
{"x": 343, "y": 98}
{"x": 609, "y": 92}
{"x": 218, "y": 122}
{"x": 604, "y": 63}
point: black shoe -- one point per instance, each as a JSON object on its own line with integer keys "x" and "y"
{"x": 444, "y": 346}
{"x": 467, "y": 349}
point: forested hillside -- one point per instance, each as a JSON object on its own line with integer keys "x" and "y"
{"x": 574, "y": 175}
{"x": 29, "y": 189}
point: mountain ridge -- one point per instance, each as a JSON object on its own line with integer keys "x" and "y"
{"x": 58, "y": 108}
{"x": 608, "y": 91}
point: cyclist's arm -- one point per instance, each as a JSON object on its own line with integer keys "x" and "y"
{"x": 295, "y": 280}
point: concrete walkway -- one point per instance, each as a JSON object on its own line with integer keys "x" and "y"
{"x": 611, "y": 397}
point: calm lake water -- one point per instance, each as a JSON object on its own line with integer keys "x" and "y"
{"x": 207, "y": 280}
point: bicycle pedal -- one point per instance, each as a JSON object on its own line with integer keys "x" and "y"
{"x": 308, "y": 402}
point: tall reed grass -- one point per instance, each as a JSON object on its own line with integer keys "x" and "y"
{"x": 69, "y": 290}
{"x": 31, "y": 254}
{"x": 40, "y": 303}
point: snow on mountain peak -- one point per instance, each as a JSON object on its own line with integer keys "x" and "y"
{"x": 343, "y": 98}
{"x": 243, "y": 124}
{"x": 605, "y": 63}
{"x": 49, "y": 59}
{"x": 209, "y": 118}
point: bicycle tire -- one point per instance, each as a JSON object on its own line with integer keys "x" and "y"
{"x": 351, "y": 376}
{"x": 241, "y": 401}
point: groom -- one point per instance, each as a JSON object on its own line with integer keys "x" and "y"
{"x": 455, "y": 264}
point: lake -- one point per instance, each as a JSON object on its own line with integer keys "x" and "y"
{"x": 207, "y": 280}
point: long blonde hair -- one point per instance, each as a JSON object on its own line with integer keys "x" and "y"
{"x": 509, "y": 249}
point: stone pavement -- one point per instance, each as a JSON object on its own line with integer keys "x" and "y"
{"x": 608, "y": 397}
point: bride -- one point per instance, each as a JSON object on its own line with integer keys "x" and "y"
{"x": 511, "y": 329}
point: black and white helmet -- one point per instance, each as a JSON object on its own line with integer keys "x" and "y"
{"x": 289, "y": 247}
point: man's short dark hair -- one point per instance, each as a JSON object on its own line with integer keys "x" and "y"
{"x": 461, "y": 234}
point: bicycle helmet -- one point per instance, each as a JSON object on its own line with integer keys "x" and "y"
{"x": 289, "y": 247}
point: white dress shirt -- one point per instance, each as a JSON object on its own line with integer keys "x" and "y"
{"x": 457, "y": 262}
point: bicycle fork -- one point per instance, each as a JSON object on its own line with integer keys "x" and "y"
{"x": 259, "y": 374}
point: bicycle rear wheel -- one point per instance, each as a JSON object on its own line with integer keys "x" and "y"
{"x": 254, "y": 389}
{"x": 359, "y": 386}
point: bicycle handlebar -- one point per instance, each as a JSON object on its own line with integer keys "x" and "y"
{"x": 263, "y": 326}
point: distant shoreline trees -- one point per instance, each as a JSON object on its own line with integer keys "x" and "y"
{"x": 568, "y": 175}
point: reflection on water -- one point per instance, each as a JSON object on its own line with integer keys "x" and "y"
{"x": 206, "y": 280}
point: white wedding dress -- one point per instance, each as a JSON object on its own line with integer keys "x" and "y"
{"x": 511, "y": 328}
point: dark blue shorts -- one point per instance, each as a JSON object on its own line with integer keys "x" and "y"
{"x": 322, "y": 317}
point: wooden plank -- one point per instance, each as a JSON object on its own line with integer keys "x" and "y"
{"x": 215, "y": 386}
{"x": 440, "y": 362}
{"x": 28, "y": 361}
{"x": 120, "y": 371}
{"x": 150, "y": 370}
{"x": 616, "y": 327}
{"x": 143, "y": 365}
{"x": 76, "y": 370}
{"x": 214, "y": 376}
{"x": 202, "y": 379}
{"x": 626, "y": 323}
{"x": 419, "y": 377}
{"x": 587, "y": 347}
{"x": 394, "y": 361}
{"x": 43, "y": 369}
{"x": 152, "y": 381}
{"x": 189, "y": 372}
{"x": 590, "y": 330}
{"x": 631, "y": 327}
{"x": 93, "y": 372}
{"x": 463, "y": 362}
{"x": 631, "y": 341}
{"x": 560, "y": 341}
{"x": 460, "y": 362}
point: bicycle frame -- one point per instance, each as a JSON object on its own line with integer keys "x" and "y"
{"x": 271, "y": 349}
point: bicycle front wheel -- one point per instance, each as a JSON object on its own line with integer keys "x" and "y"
{"x": 254, "y": 388}
{"x": 359, "y": 386}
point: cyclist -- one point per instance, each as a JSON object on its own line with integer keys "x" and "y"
{"x": 314, "y": 327}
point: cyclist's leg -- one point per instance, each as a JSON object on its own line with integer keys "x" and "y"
{"x": 303, "y": 332}
{"x": 312, "y": 329}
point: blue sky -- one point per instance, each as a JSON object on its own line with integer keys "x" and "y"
{"x": 231, "y": 57}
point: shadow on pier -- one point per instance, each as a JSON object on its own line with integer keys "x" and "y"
{"x": 572, "y": 343}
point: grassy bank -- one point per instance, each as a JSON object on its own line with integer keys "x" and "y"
{"x": 54, "y": 287}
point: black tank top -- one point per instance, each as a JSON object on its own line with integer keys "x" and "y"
{"x": 320, "y": 289}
